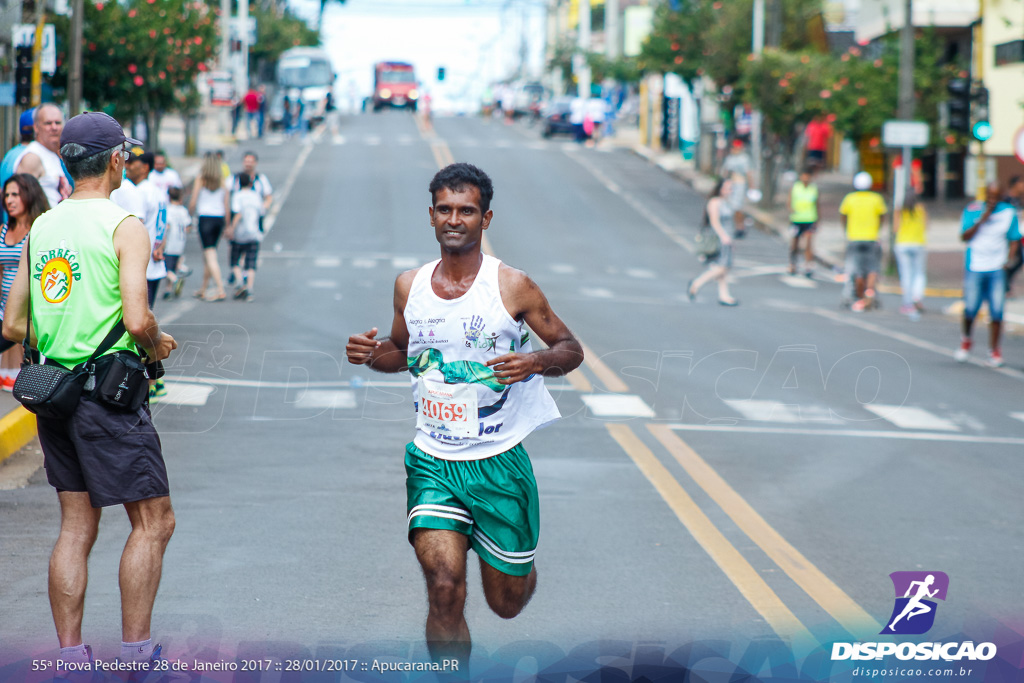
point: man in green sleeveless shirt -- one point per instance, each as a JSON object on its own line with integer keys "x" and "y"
{"x": 86, "y": 271}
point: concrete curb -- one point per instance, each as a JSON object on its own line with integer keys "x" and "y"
{"x": 17, "y": 428}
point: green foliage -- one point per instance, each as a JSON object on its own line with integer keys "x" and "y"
{"x": 143, "y": 56}
{"x": 623, "y": 69}
{"x": 676, "y": 42}
{"x": 788, "y": 86}
{"x": 276, "y": 33}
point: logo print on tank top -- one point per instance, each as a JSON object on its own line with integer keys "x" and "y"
{"x": 56, "y": 271}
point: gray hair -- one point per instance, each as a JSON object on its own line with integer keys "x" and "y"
{"x": 85, "y": 167}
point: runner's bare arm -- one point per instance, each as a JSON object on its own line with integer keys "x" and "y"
{"x": 388, "y": 354}
{"x": 16, "y": 312}
{"x": 31, "y": 164}
{"x": 525, "y": 301}
{"x": 131, "y": 244}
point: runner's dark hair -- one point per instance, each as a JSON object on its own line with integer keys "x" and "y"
{"x": 456, "y": 177}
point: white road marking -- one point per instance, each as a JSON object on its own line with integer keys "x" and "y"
{"x": 866, "y": 434}
{"x": 641, "y": 273}
{"x": 364, "y": 263}
{"x": 563, "y": 268}
{"x": 322, "y": 284}
{"x": 338, "y": 140}
{"x": 327, "y": 262}
{"x": 798, "y": 281}
{"x": 503, "y": 144}
{"x": 320, "y": 398}
{"x": 282, "y": 196}
{"x": 404, "y": 262}
{"x": 766, "y": 411}
{"x": 372, "y": 140}
{"x": 909, "y": 417}
{"x": 617, "y": 405}
{"x": 597, "y": 292}
{"x": 405, "y": 140}
{"x": 1017, "y": 416}
{"x": 182, "y": 394}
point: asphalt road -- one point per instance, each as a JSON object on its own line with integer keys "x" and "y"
{"x": 741, "y": 475}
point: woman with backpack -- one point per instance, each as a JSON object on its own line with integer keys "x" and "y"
{"x": 718, "y": 219}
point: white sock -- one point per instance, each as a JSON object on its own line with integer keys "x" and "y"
{"x": 78, "y": 654}
{"x": 136, "y": 652}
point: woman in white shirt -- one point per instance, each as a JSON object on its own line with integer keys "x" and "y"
{"x": 210, "y": 201}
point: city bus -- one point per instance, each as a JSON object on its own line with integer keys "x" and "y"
{"x": 305, "y": 71}
{"x": 394, "y": 85}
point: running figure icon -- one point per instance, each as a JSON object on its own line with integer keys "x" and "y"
{"x": 915, "y": 607}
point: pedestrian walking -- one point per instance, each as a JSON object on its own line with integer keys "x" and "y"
{"x": 24, "y": 202}
{"x": 718, "y": 216}
{"x": 100, "y": 455}
{"x": 210, "y": 202}
{"x": 252, "y": 101}
{"x": 458, "y": 329}
{"x": 179, "y": 224}
{"x": 154, "y": 218}
{"x": 860, "y": 214}
{"x": 1015, "y": 197}
{"x": 803, "y": 207}
{"x": 910, "y": 224}
{"x": 817, "y": 135}
{"x": 245, "y": 234}
{"x": 262, "y": 113}
{"x": 260, "y": 183}
{"x": 40, "y": 157}
{"x": 162, "y": 175}
{"x": 738, "y": 168}
{"x": 992, "y": 233}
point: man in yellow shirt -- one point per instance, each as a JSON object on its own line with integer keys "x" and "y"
{"x": 803, "y": 207}
{"x": 861, "y": 215}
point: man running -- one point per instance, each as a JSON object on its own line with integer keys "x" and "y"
{"x": 914, "y": 606}
{"x": 479, "y": 391}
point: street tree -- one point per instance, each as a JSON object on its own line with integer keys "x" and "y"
{"x": 142, "y": 57}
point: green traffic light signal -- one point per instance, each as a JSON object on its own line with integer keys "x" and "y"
{"x": 440, "y": 73}
{"x": 982, "y": 131}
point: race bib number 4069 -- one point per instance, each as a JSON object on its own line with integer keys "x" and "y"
{"x": 447, "y": 408}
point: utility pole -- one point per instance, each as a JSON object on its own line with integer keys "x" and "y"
{"x": 979, "y": 56}
{"x": 906, "y": 97}
{"x": 755, "y": 122}
{"x": 580, "y": 66}
{"x": 75, "y": 73}
{"x": 611, "y": 29}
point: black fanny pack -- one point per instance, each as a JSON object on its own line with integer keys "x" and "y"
{"x": 121, "y": 381}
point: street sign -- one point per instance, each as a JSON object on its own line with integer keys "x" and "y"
{"x": 905, "y": 134}
{"x": 24, "y": 35}
{"x": 222, "y": 89}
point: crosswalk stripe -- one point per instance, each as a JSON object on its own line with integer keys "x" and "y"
{"x": 182, "y": 394}
{"x": 617, "y": 405}
{"x": 766, "y": 411}
{"x": 323, "y": 398}
{"x": 910, "y": 417}
{"x": 1017, "y": 416}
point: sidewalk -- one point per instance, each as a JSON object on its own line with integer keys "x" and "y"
{"x": 945, "y": 250}
{"x": 18, "y": 426}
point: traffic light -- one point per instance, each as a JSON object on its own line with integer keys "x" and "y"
{"x": 23, "y": 76}
{"x": 959, "y": 105}
{"x": 440, "y": 73}
{"x": 981, "y": 129}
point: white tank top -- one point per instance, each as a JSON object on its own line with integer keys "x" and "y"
{"x": 210, "y": 202}
{"x": 52, "y": 168}
{"x": 463, "y": 413}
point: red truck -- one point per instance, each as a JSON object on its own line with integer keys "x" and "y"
{"x": 394, "y": 85}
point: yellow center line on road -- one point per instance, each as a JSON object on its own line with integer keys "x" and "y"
{"x": 742, "y": 574}
{"x": 813, "y": 581}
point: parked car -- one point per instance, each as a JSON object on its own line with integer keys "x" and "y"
{"x": 556, "y": 118}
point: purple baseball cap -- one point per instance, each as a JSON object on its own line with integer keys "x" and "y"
{"x": 95, "y": 131}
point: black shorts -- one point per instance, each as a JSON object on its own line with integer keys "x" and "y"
{"x": 247, "y": 250}
{"x": 816, "y": 154}
{"x": 171, "y": 261}
{"x": 799, "y": 229}
{"x": 152, "y": 286}
{"x": 113, "y": 456}
{"x": 210, "y": 228}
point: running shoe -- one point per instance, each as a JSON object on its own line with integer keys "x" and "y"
{"x": 7, "y": 383}
{"x": 231, "y": 279}
{"x": 860, "y": 305}
{"x": 178, "y": 286}
{"x": 963, "y": 353}
{"x": 907, "y": 310}
{"x": 995, "y": 359}
{"x": 241, "y": 293}
{"x": 87, "y": 674}
{"x": 159, "y": 670}
{"x": 157, "y": 391}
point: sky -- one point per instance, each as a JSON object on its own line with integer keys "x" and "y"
{"x": 476, "y": 41}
